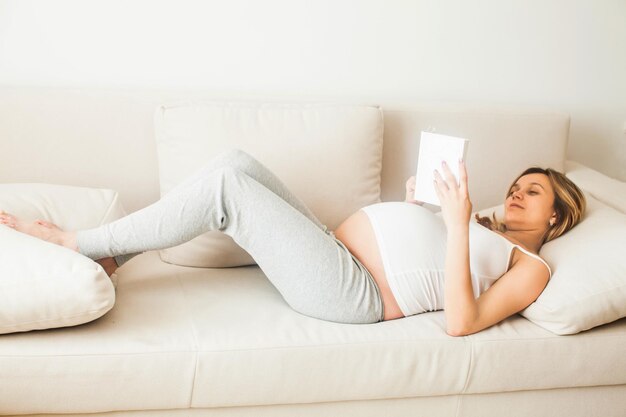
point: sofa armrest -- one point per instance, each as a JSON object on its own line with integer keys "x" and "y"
{"x": 610, "y": 191}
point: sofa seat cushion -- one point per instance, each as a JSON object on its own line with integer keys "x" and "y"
{"x": 181, "y": 337}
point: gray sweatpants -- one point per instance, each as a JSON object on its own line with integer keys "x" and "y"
{"x": 234, "y": 193}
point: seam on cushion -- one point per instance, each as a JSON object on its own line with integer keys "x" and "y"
{"x": 194, "y": 378}
{"x": 108, "y": 210}
{"x": 469, "y": 369}
{"x": 567, "y": 387}
{"x": 85, "y": 314}
{"x": 196, "y": 345}
{"x": 469, "y": 366}
{"x": 558, "y": 336}
{"x": 184, "y": 351}
{"x": 250, "y": 349}
{"x": 459, "y": 398}
{"x": 61, "y": 318}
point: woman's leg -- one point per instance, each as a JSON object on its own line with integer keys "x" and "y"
{"x": 245, "y": 163}
{"x": 313, "y": 271}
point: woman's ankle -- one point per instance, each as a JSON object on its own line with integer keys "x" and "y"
{"x": 68, "y": 240}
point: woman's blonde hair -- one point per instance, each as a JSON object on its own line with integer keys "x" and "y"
{"x": 569, "y": 204}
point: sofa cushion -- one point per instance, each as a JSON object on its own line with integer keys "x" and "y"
{"x": 44, "y": 285}
{"x": 327, "y": 155}
{"x": 588, "y": 283}
{"x": 183, "y": 337}
{"x": 610, "y": 191}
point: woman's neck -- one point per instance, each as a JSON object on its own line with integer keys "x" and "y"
{"x": 529, "y": 239}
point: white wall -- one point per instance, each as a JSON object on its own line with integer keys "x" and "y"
{"x": 561, "y": 55}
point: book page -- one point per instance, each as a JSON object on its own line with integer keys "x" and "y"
{"x": 435, "y": 148}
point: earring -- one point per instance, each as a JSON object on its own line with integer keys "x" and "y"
{"x": 551, "y": 223}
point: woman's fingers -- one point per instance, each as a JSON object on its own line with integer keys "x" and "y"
{"x": 449, "y": 176}
{"x": 462, "y": 178}
{"x": 410, "y": 184}
{"x": 440, "y": 181}
{"x": 451, "y": 180}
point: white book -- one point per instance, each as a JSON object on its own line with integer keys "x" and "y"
{"x": 435, "y": 148}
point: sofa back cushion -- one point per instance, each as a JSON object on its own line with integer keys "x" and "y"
{"x": 119, "y": 124}
{"x": 328, "y": 155}
{"x": 503, "y": 142}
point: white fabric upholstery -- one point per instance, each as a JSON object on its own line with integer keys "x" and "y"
{"x": 182, "y": 337}
{"x": 610, "y": 191}
{"x": 118, "y": 124}
{"x": 330, "y": 157}
{"x": 176, "y": 332}
{"x": 43, "y": 285}
{"x": 69, "y": 207}
{"x": 503, "y": 143}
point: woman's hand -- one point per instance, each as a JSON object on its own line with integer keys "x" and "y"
{"x": 410, "y": 192}
{"x": 456, "y": 206}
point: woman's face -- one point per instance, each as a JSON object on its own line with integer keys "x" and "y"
{"x": 530, "y": 203}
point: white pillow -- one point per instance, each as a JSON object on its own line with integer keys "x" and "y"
{"x": 43, "y": 285}
{"x": 588, "y": 284}
{"x": 329, "y": 155}
{"x": 69, "y": 207}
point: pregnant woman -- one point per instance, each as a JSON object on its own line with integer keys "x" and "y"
{"x": 386, "y": 261}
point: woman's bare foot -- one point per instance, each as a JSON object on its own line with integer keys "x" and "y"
{"x": 41, "y": 229}
{"x": 50, "y": 232}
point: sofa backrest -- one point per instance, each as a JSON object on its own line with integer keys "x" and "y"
{"x": 105, "y": 138}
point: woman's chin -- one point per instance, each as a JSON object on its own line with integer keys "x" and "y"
{"x": 512, "y": 222}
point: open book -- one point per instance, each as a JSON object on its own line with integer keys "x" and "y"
{"x": 435, "y": 148}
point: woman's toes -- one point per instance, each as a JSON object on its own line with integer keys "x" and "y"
{"x": 8, "y": 220}
{"x": 8, "y": 223}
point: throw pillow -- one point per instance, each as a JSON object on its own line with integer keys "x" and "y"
{"x": 44, "y": 285}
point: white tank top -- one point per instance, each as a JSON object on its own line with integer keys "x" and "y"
{"x": 412, "y": 244}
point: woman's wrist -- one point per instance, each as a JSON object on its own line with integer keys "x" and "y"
{"x": 458, "y": 229}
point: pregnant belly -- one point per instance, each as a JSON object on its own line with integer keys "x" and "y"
{"x": 357, "y": 234}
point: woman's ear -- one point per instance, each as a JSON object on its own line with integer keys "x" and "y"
{"x": 553, "y": 219}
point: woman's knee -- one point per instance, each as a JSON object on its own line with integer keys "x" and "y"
{"x": 235, "y": 157}
{"x": 223, "y": 173}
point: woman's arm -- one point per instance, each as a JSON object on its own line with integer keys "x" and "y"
{"x": 511, "y": 293}
{"x": 460, "y": 306}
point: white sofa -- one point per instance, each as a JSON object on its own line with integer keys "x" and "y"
{"x": 222, "y": 342}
